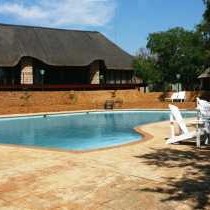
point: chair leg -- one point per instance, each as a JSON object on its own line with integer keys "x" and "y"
{"x": 172, "y": 126}
{"x": 198, "y": 138}
{"x": 207, "y": 126}
{"x": 207, "y": 138}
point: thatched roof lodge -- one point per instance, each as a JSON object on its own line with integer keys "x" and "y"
{"x": 37, "y": 55}
{"x": 205, "y": 79}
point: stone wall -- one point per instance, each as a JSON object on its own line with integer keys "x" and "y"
{"x": 30, "y": 102}
{"x": 94, "y": 73}
{"x": 26, "y": 71}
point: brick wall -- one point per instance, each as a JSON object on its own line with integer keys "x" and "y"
{"x": 28, "y": 102}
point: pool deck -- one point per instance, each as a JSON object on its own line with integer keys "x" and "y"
{"x": 144, "y": 176}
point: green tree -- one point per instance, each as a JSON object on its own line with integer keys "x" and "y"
{"x": 145, "y": 67}
{"x": 178, "y": 51}
{"x": 204, "y": 29}
{"x": 204, "y": 26}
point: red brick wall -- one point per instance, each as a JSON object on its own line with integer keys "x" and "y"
{"x": 28, "y": 102}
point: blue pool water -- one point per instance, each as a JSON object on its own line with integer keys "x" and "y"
{"x": 81, "y": 131}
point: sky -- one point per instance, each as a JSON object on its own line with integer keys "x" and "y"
{"x": 125, "y": 22}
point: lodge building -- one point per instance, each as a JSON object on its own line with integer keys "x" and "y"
{"x": 36, "y": 55}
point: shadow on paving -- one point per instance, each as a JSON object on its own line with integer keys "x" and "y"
{"x": 195, "y": 182}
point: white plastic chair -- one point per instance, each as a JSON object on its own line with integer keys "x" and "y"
{"x": 181, "y": 96}
{"x": 176, "y": 117}
{"x": 203, "y": 108}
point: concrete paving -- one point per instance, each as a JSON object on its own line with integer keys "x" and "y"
{"x": 148, "y": 175}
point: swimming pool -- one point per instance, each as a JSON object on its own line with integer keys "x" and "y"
{"x": 79, "y": 131}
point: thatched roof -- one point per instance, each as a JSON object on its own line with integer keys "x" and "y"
{"x": 59, "y": 47}
{"x": 205, "y": 74}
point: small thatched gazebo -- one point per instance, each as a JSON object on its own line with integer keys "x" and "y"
{"x": 205, "y": 79}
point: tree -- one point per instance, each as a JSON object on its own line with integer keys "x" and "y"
{"x": 145, "y": 66}
{"x": 204, "y": 26}
{"x": 204, "y": 29}
{"x": 178, "y": 51}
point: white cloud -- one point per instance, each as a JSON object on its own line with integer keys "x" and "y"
{"x": 60, "y": 12}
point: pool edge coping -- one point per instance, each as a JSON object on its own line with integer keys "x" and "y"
{"x": 79, "y": 111}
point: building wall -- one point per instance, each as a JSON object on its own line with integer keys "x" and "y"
{"x": 60, "y": 74}
{"x": 28, "y": 72}
{"x": 10, "y": 75}
{"x": 119, "y": 77}
{"x": 205, "y": 84}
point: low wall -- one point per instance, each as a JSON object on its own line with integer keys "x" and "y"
{"x": 29, "y": 102}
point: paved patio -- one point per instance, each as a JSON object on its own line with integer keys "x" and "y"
{"x": 147, "y": 175}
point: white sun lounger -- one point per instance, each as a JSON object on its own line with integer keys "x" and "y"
{"x": 176, "y": 117}
{"x": 173, "y": 97}
{"x": 177, "y": 96}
